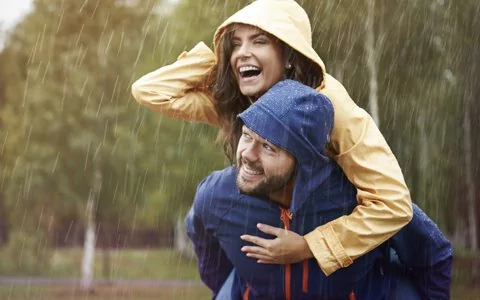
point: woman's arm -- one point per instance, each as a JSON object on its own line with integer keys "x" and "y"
{"x": 384, "y": 199}
{"x": 180, "y": 90}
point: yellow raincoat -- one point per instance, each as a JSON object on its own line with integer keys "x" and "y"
{"x": 179, "y": 91}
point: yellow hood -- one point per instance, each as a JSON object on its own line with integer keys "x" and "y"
{"x": 284, "y": 19}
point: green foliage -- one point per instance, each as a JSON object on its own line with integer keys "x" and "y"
{"x": 26, "y": 253}
{"x": 69, "y": 104}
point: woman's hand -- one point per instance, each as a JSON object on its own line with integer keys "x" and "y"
{"x": 288, "y": 247}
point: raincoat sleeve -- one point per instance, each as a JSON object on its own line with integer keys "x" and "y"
{"x": 213, "y": 264}
{"x": 180, "y": 90}
{"x": 384, "y": 207}
{"x": 426, "y": 254}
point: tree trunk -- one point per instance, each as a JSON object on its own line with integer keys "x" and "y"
{"x": 372, "y": 59}
{"x": 88, "y": 247}
{"x": 181, "y": 241}
{"x": 471, "y": 202}
{"x": 423, "y": 161}
{"x": 3, "y": 220}
{"x": 90, "y": 239}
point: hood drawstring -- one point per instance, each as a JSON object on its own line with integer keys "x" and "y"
{"x": 286, "y": 216}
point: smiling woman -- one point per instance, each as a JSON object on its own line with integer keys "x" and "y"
{"x": 257, "y": 60}
{"x": 251, "y": 60}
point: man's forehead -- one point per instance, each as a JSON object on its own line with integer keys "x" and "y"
{"x": 260, "y": 138}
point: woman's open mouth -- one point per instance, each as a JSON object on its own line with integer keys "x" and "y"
{"x": 249, "y": 73}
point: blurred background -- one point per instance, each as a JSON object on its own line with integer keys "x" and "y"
{"x": 94, "y": 188}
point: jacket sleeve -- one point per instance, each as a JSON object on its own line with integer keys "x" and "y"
{"x": 213, "y": 264}
{"x": 384, "y": 200}
{"x": 180, "y": 90}
{"x": 426, "y": 254}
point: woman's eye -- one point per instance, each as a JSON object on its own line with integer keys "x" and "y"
{"x": 261, "y": 41}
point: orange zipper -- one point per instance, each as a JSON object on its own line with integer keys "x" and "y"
{"x": 286, "y": 216}
{"x": 246, "y": 293}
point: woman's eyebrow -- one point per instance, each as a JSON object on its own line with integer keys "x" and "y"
{"x": 251, "y": 37}
{"x": 260, "y": 34}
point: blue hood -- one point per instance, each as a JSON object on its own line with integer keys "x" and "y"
{"x": 298, "y": 119}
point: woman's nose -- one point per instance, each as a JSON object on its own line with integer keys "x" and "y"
{"x": 244, "y": 51}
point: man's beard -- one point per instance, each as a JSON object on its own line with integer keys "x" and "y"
{"x": 267, "y": 185}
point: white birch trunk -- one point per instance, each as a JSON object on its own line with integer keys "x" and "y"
{"x": 88, "y": 248}
{"x": 372, "y": 59}
{"x": 88, "y": 259}
{"x": 181, "y": 241}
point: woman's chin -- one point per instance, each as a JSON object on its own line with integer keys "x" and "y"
{"x": 253, "y": 93}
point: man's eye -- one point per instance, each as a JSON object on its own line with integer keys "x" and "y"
{"x": 245, "y": 136}
{"x": 268, "y": 148}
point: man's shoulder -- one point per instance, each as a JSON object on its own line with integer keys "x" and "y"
{"x": 218, "y": 178}
{"x": 218, "y": 184}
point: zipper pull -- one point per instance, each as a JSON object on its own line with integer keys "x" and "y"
{"x": 351, "y": 296}
{"x": 285, "y": 216}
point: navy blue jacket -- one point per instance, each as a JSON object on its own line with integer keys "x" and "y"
{"x": 298, "y": 119}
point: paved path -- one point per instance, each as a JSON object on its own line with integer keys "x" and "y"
{"x": 75, "y": 281}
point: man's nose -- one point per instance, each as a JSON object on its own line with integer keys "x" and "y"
{"x": 250, "y": 153}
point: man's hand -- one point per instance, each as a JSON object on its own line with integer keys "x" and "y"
{"x": 288, "y": 247}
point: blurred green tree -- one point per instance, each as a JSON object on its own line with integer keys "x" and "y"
{"x": 66, "y": 111}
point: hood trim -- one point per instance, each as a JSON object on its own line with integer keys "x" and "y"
{"x": 284, "y": 19}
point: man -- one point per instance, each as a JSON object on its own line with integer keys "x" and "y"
{"x": 281, "y": 178}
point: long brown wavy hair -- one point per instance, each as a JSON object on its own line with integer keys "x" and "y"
{"x": 229, "y": 101}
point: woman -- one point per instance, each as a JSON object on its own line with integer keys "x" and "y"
{"x": 265, "y": 42}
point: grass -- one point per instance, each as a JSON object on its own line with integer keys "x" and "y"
{"x": 123, "y": 264}
{"x": 463, "y": 291}
{"x": 153, "y": 264}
